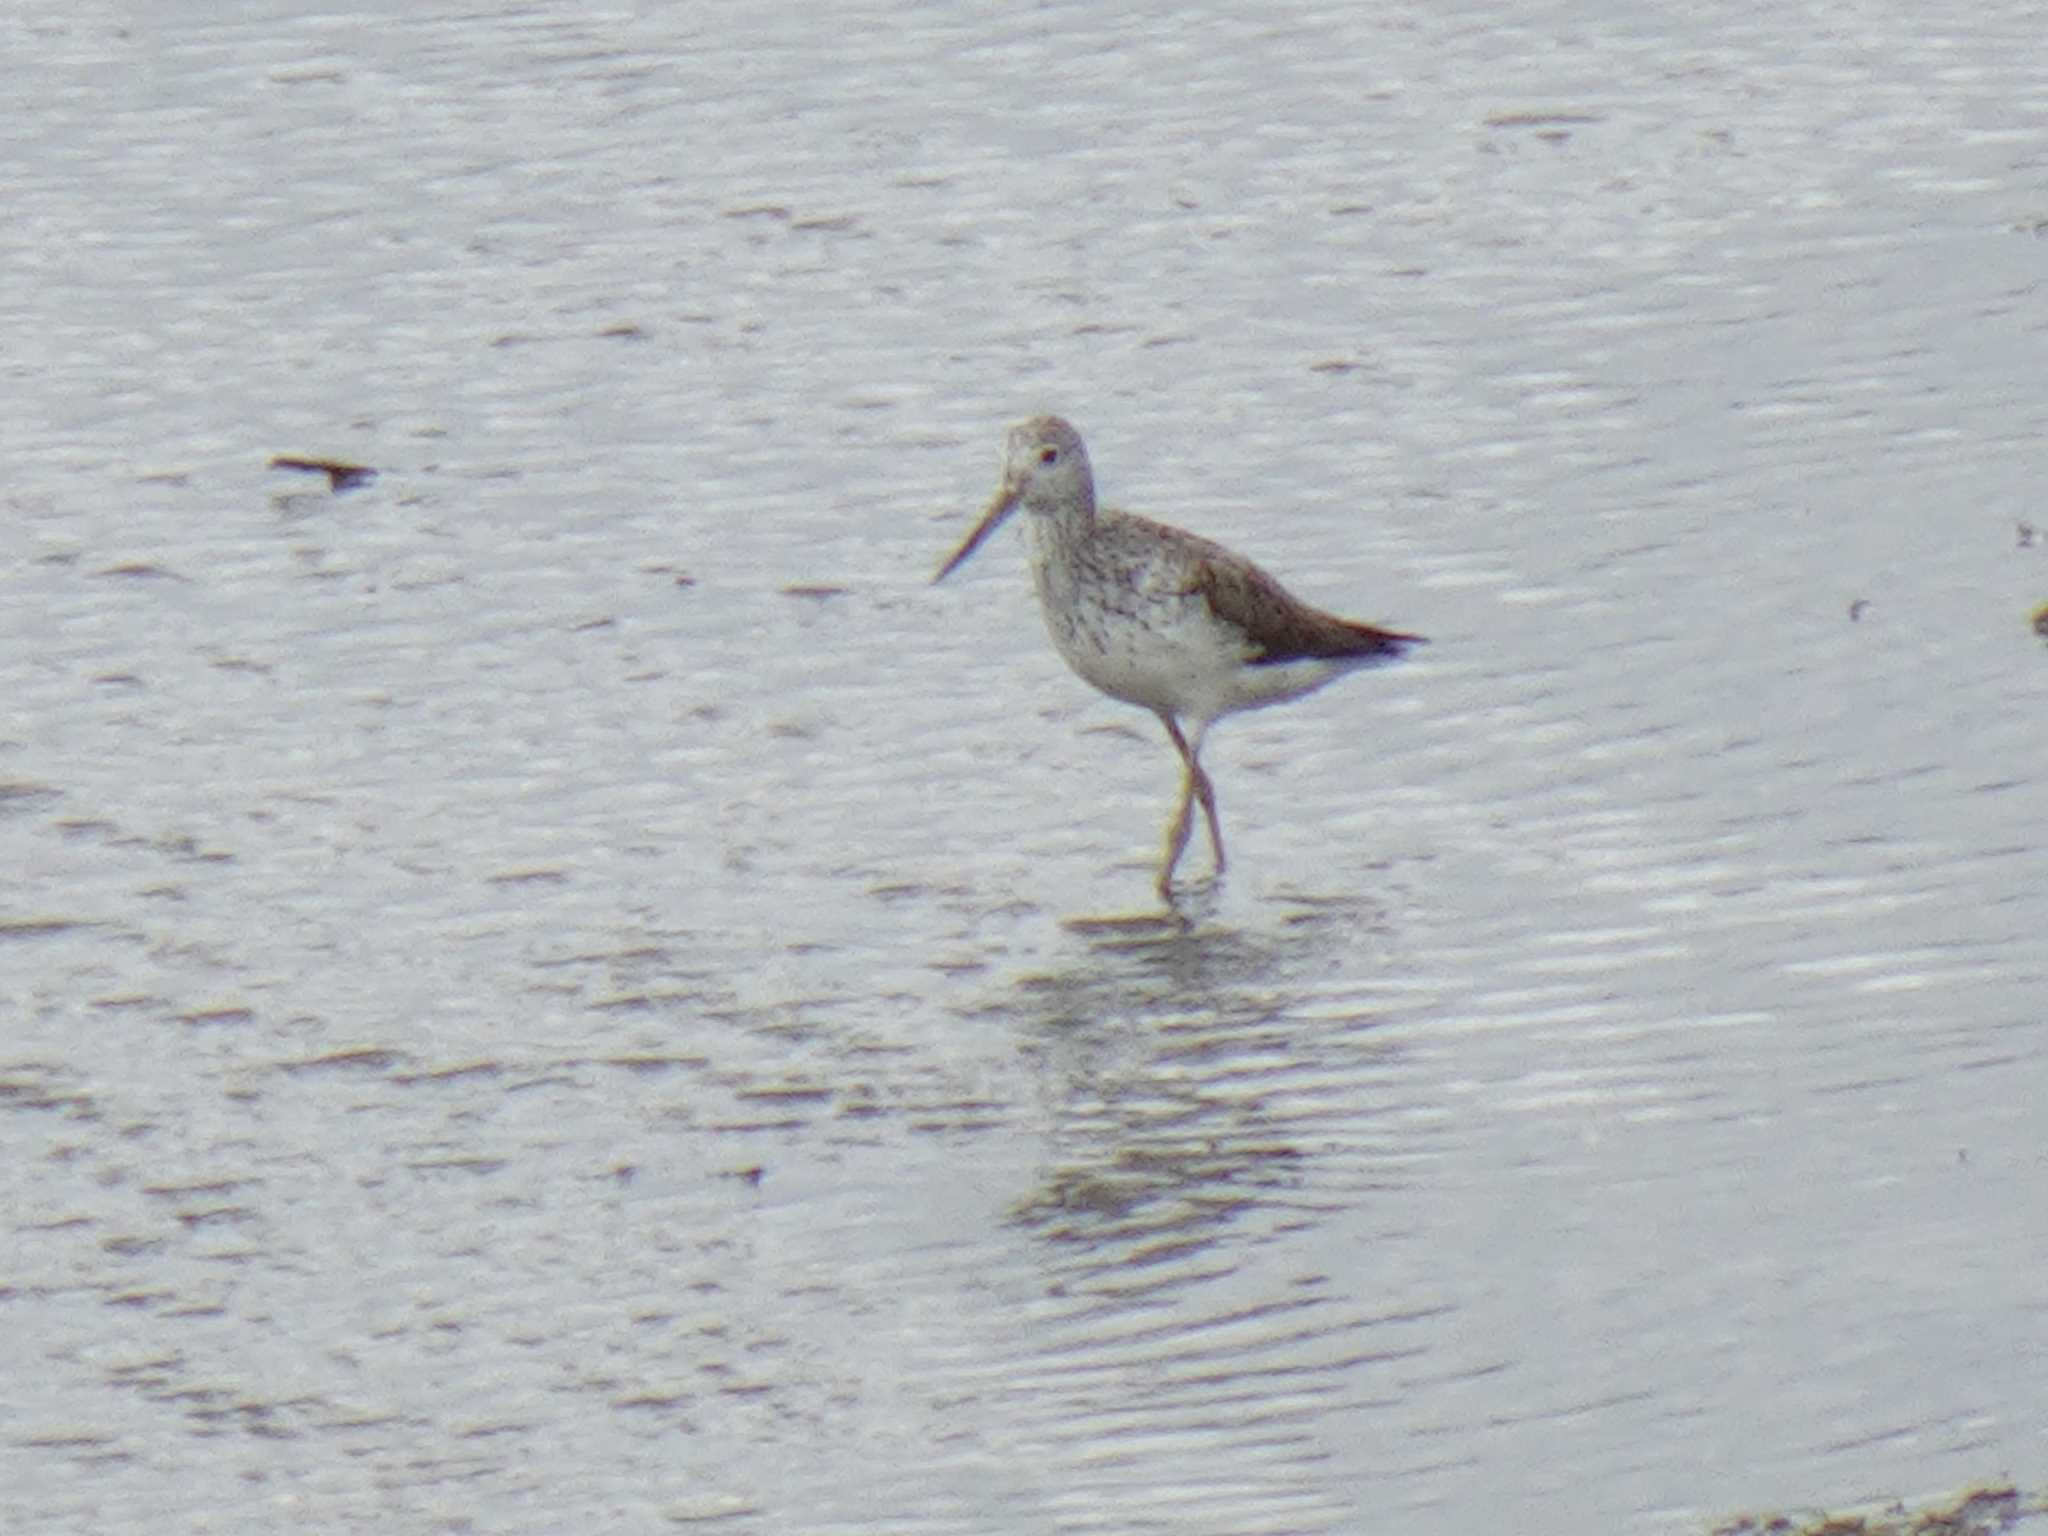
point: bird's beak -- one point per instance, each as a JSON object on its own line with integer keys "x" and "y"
{"x": 1003, "y": 504}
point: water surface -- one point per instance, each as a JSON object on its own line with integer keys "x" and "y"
{"x": 569, "y": 988}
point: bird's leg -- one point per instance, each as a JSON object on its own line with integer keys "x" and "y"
{"x": 1194, "y": 785}
{"x": 1206, "y": 793}
{"x": 1176, "y": 838}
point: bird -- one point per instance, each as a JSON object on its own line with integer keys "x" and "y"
{"x": 1154, "y": 616}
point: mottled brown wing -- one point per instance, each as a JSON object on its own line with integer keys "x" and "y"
{"x": 1280, "y": 626}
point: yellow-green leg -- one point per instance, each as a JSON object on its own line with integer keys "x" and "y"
{"x": 1194, "y": 785}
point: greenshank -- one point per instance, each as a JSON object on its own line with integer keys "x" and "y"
{"x": 1160, "y": 618}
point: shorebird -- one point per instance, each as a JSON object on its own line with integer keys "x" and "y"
{"x": 1161, "y": 618}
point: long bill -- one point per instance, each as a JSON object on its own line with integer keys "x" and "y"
{"x": 1002, "y": 506}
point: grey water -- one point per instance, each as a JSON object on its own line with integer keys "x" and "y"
{"x": 568, "y": 988}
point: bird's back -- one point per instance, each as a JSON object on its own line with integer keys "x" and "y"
{"x": 1277, "y": 625}
{"x": 1174, "y": 622}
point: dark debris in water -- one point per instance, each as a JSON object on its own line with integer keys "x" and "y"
{"x": 1978, "y": 1512}
{"x": 663, "y": 568}
{"x": 365, "y": 1059}
{"x": 1542, "y": 119}
{"x": 539, "y": 875}
{"x": 21, "y": 795}
{"x": 219, "y": 1013}
{"x": 37, "y": 927}
{"x": 340, "y": 476}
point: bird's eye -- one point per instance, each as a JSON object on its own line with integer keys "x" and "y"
{"x": 1048, "y": 455}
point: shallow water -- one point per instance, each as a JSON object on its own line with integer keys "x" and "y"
{"x": 570, "y": 987}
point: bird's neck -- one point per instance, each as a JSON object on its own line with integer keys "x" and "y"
{"x": 1063, "y": 518}
{"x": 1058, "y": 538}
